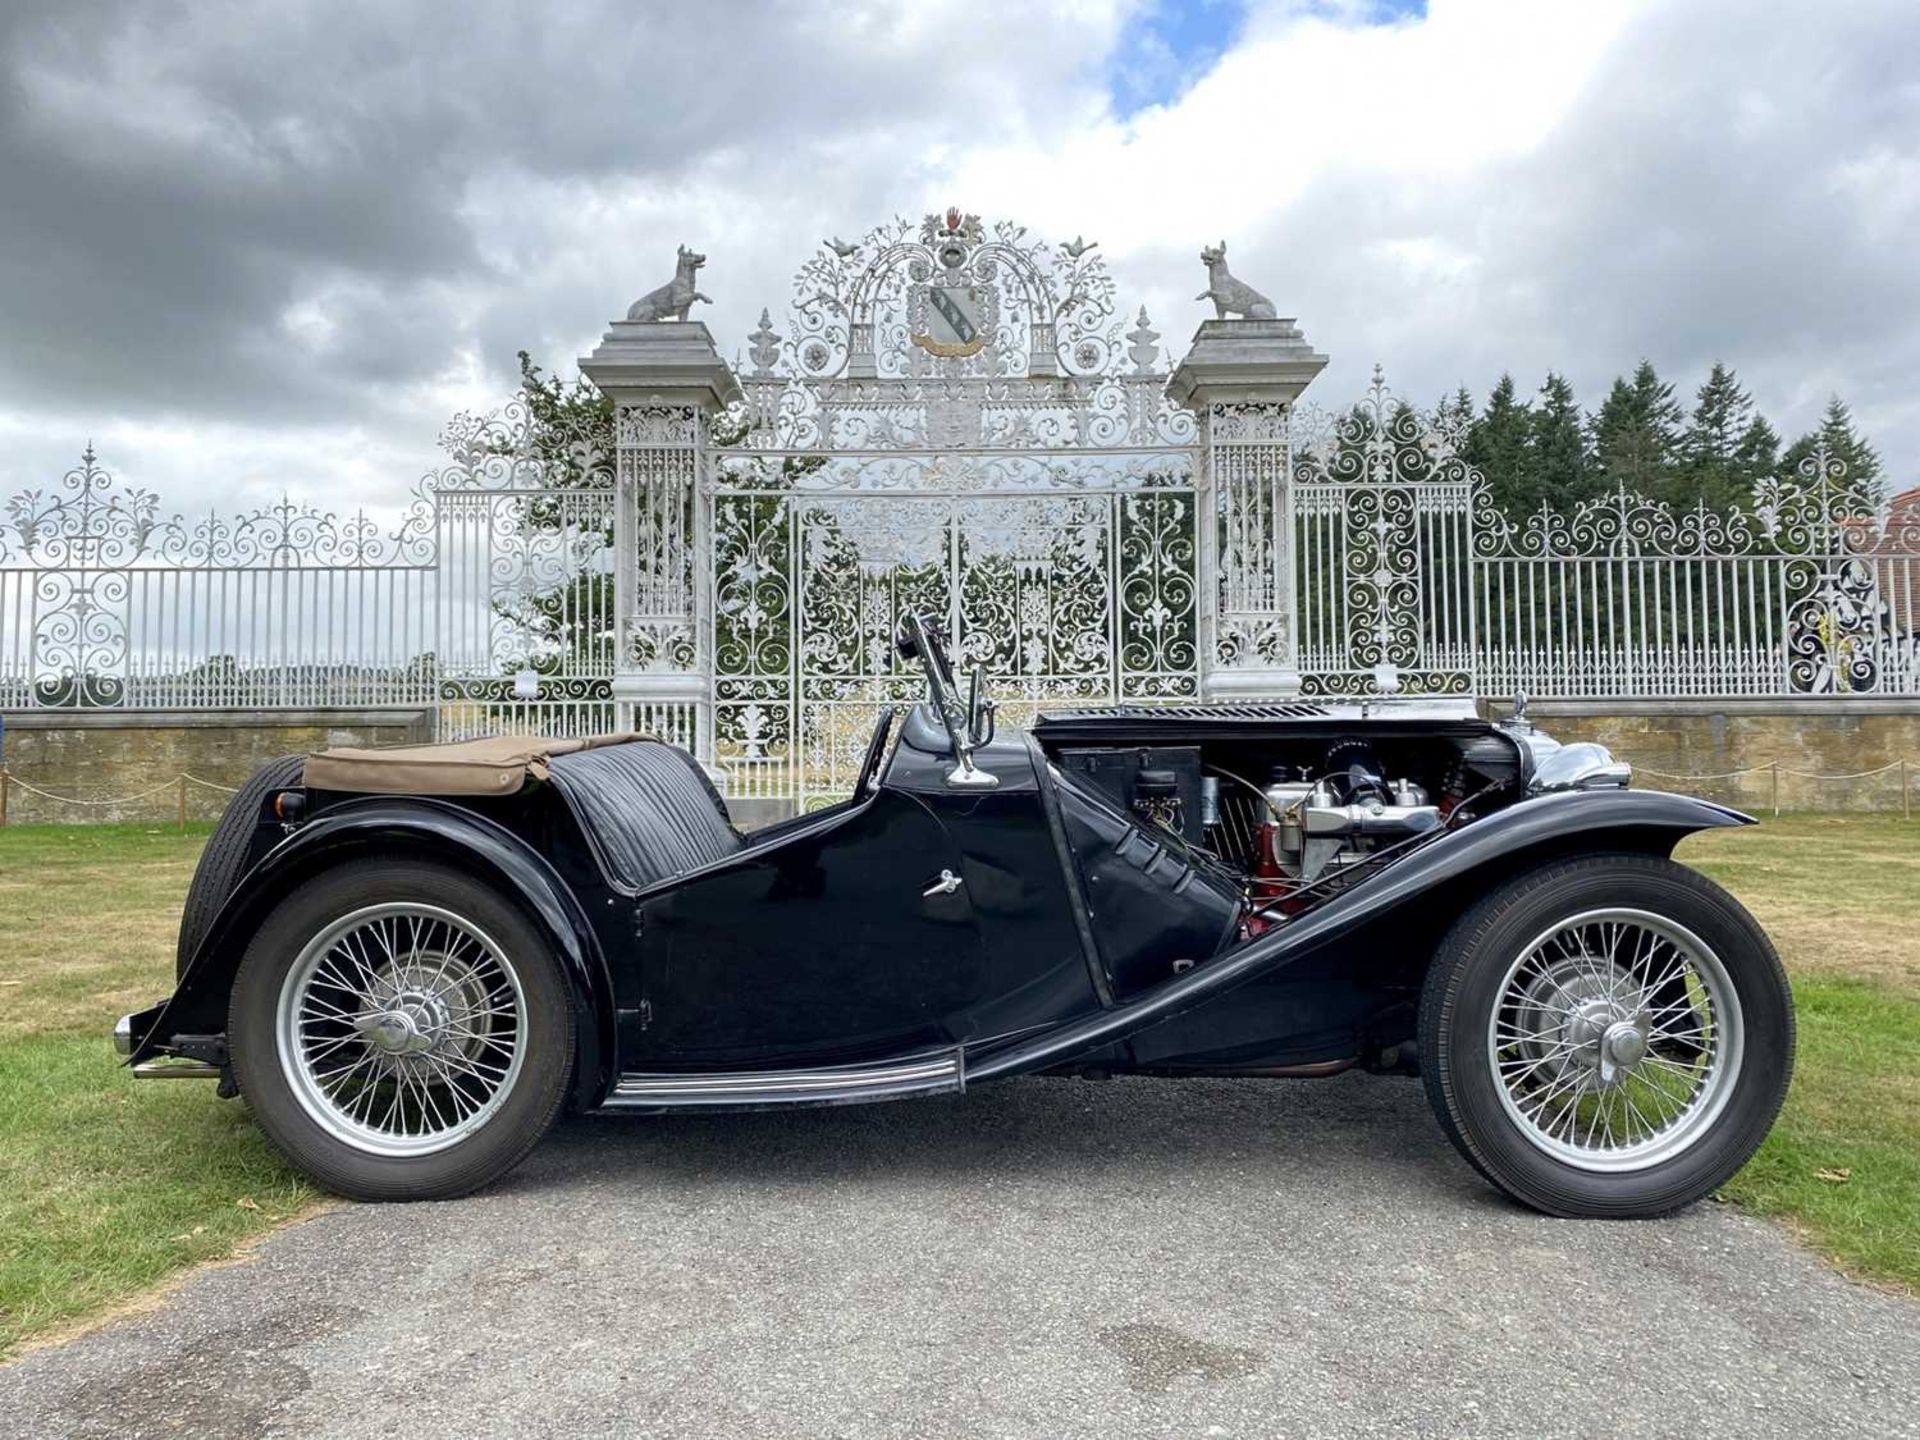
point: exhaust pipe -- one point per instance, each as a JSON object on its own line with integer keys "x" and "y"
{"x": 171, "y": 1069}
{"x": 163, "y": 1068}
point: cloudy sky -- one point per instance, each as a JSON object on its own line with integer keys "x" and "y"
{"x": 249, "y": 248}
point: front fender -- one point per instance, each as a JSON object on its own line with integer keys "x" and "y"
{"x": 388, "y": 826}
{"x": 1478, "y": 855}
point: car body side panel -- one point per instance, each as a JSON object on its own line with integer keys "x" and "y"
{"x": 1034, "y": 966}
{"x": 1380, "y": 914}
{"x": 833, "y": 945}
{"x": 386, "y": 827}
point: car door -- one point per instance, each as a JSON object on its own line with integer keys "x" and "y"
{"x": 849, "y": 941}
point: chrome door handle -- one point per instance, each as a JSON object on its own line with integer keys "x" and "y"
{"x": 945, "y": 885}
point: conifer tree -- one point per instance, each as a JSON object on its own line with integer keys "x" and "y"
{"x": 1456, "y": 409}
{"x": 1636, "y": 434}
{"x": 1559, "y": 472}
{"x": 1844, "y": 444}
{"x": 1497, "y": 447}
{"x": 1709, "y": 472}
{"x": 1757, "y": 455}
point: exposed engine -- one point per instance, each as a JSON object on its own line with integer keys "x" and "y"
{"x": 1336, "y": 819}
{"x": 1292, "y": 820}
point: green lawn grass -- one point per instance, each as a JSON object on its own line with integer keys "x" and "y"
{"x": 1840, "y": 894}
{"x": 108, "y": 1185}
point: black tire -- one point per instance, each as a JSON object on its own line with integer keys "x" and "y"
{"x": 225, "y": 857}
{"x": 531, "y": 1098}
{"x": 1464, "y": 986}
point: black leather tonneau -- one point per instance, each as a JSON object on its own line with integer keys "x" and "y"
{"x": 648, "y": 809}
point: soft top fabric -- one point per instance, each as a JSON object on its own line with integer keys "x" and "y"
{"x": 494, "y": 765}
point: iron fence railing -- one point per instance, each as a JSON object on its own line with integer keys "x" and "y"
{"x": 496, "y": 598}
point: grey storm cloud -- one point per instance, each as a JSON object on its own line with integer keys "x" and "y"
{"x": 276, "y": 221}
{"x": 176, "y": 177}
{"x": 1735, "y": 182}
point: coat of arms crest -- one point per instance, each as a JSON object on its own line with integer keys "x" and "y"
{"x": 952, "y": 313}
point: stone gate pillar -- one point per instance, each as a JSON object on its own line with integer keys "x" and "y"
{"x": 1241, "y": 379}
{"x": 666, "y": 382}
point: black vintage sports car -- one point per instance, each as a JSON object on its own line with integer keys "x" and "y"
{"x": 410, "y": 961}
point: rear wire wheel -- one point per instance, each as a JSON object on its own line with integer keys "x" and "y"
{"x": 1610, "y": 1036}
{"x": 401, "y": 1031}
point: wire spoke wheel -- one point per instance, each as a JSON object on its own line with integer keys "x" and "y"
{"x": 1616, "y": 1039}
{"x": 402, "y": 1028}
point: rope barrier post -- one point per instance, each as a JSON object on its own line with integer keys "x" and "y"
{"x": 1776, "y": 789}
{"x": 1906, "y": 796}
{"x": 3, "y": 795}
{"x": 182, "y": 803}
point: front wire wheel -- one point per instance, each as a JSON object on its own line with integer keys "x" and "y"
{"x": 1617, "y": 1039}
{"x": 1609, "y": 1036}
{"x": 401, "y": 1031}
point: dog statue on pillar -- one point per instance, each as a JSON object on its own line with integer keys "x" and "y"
{"x": 675, "y": 298}
{"x": 1230, "y": 296}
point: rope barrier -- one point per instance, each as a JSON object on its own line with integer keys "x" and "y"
{"x": 76, "y": 800}
{"x": 1770, "y": 769}
{"x": 9, "y": 782}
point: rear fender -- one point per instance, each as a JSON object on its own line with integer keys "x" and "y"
{"x": 388, "y": 827}
{"x": 1433, "y": 883}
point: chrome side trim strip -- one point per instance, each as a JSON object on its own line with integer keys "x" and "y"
{"x": 823, "y": 1085}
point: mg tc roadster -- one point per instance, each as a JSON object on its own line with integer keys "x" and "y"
{"x": 410, "y": 961}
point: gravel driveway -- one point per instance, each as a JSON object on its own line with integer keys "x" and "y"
{"x": 1042, "y": 1258}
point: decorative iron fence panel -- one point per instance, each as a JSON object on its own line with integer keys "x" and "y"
{"x": 1409, "y": 581}
{"x": 1383, "y": 517}
{"x": 958, "y": 420}
{"x": 105, "y": 602}
{"x": 525, "y": 520}
{"x": 1810, "y": 593}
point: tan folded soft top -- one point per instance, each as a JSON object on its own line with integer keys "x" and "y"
{"x": 496, "y": 765}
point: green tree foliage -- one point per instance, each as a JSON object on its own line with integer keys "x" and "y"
{"x": 1636, "y": 434}
{"x": 1843, "y": 443}
{"x": 1560, "y": 467}
{"x": 1498, "y": 446}
{"x": 1456, "y": 411}
{"x": 1712, "y": 471}
{"x": 1539, "y": 451}
{"x": 572, "y": 427}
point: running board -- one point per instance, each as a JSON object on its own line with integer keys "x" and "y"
{"x": 924, "y": 1074}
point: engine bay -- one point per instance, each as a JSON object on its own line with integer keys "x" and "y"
{"x": 1295, "y": 817}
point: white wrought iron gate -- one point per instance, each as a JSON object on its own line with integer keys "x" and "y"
{"x": 1085, "y": 595}
{"x": 954, "y": 423}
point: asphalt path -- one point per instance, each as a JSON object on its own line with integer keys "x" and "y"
{"x": 1044, "y": 1258}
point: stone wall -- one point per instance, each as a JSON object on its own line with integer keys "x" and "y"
{"x": 107, "y": 754}
{"x": 1776, "y": 743}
